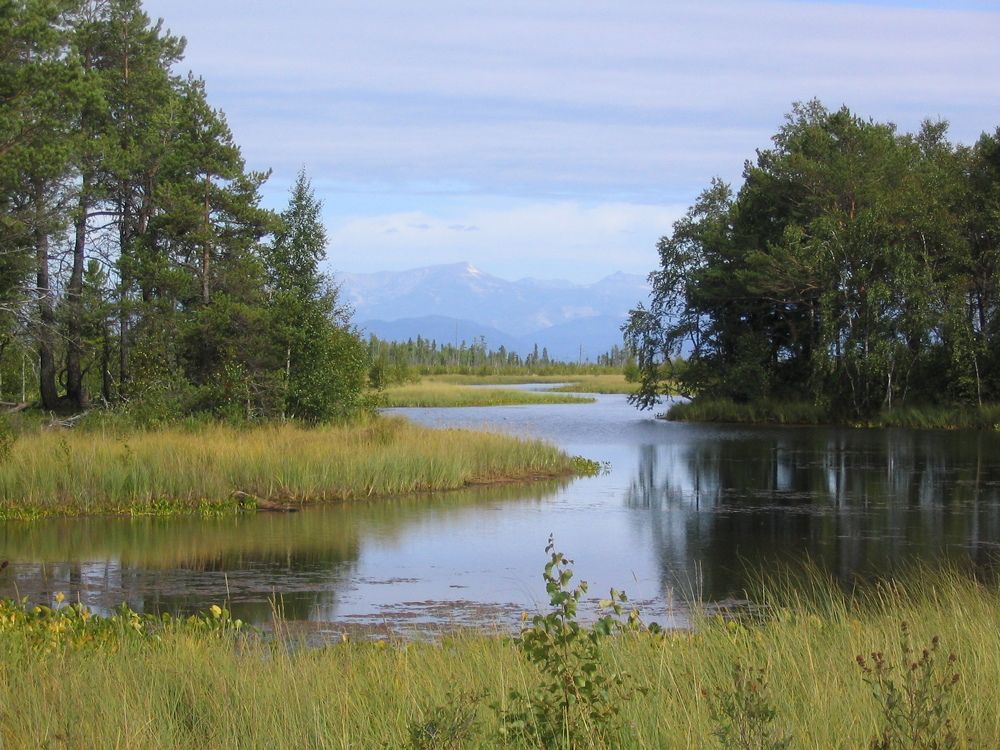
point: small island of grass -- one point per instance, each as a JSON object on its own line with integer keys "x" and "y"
{"x": 220, "y": 468}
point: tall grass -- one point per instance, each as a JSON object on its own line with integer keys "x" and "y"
{"x": 218, "y": 467}
{"x": 448, "y": 394}
{"x": 195, "y": 686}
{"x": 756, "y": 412}
{"x": 985, "y": 417}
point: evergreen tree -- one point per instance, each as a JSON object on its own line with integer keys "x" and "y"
{"x": 325, "y": 363}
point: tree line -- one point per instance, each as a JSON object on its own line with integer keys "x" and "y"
{"x": 394, "y": 362}
{"x": 856, "y": 268}
{"x": 137, "y": 265}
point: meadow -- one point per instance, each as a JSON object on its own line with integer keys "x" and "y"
{"x": 218, "y": 468}
{"x": 784, "y": 675}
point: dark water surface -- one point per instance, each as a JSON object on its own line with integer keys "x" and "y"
{"x": 685, "y": 509}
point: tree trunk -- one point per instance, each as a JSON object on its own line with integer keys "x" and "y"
{"x": 75, "y": 392}
{"x": 206, "y": 252}
{"x": 46, "y": 312}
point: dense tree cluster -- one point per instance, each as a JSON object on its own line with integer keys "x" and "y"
{"x": 856, "y": 268}
{"x": 136, "y": 263}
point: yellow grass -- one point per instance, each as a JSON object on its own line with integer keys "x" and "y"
{"x": 439, "y": 394}
{"x": 219, "y": 467}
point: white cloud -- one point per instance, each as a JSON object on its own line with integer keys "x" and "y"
{"x": 405, "y": 106}
{"x": 552, "y": 239}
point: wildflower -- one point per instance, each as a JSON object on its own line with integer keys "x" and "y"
{"x": 60, "y": 597}
{"x": 216, "y": 610}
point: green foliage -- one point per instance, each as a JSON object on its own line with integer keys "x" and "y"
{"x": 914, "y": 695}
{"x": 743, "y": 714}
{"x": 324, "y": 362}
{"x": 855, "y": 269}
{"x": 578, "y": 700}
{"x": 72, "y": 626}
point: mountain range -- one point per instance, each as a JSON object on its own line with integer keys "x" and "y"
{"x": 458, "y": 302}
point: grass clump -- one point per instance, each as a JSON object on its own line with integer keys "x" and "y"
{"x": 448, "y": 395}
{"x": 755, "y": 412}
{"x": 221, "y": 469}
{"x": 985, "y": 417}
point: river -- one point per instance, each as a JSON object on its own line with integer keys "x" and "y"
{"x": 683, "y": 511}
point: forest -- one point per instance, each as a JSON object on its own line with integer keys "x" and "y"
{"x": 138, "y": 269}
{"x": 854, "y": 270}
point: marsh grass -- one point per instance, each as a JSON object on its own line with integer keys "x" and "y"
{"x": 608, "y": 382}
{"x": 756, "y": 412}
{"x": 219, "y": 469}
{"x": 210, "y": 686}
{"x": 438, "y": 394}
{"x": 985, "y": 417}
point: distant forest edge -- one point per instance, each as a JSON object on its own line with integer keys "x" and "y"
{"x": 855, "y": 272}
{"x": 137, "y": 267}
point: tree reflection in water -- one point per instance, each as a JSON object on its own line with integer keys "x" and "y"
{"x": 854, "y": 502}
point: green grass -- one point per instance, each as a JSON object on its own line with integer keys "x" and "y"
{"x": 449, "y": 394}
{"x": 986, "y": 417}
{"x": 217, "y": 468}
{"x": 202, "y": 683}
{"x": 613, "y": 382}
{"x": 758, "y": 412}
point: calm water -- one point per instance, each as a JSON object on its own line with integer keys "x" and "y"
{"x": 685, "y": 509}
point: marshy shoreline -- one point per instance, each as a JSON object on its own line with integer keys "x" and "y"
{"x": 215, "y": 468}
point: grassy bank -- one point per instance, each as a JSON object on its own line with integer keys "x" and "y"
{"x": 438, "y": 394}
{"x": 221, "y": 468}
{"x": 986, "y": 417}
{"x": 129, "y": 682}
{"x": 582, "y": 383}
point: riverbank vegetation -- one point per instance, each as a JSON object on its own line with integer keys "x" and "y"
{"x": 220, "y": 468}
{"x": 986, "y": 417}
{"x": 457, "y": 390}
{"x": 439, "y": 394}
{"x": 856, "y": 269}
{"x": 912, "y": 662}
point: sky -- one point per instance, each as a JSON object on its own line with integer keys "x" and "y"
{"x": 556, "y": 138}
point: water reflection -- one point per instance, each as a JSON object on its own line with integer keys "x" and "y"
{"x": 854, "y": 502}
{"x": 306, "y": 562}
{"x": 685, "y": 509}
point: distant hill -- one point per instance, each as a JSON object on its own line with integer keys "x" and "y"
{"x": 458, "y": 302}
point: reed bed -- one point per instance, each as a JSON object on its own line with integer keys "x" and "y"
{"x": 985, "y": 417}
{"x": 221, "y": 468}
{"x": 448, "y": 395}
{"x": 757, "y": 412}
{"x": 201, "y": 684}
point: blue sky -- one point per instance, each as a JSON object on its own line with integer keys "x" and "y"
{"x": 557, "y": 138}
